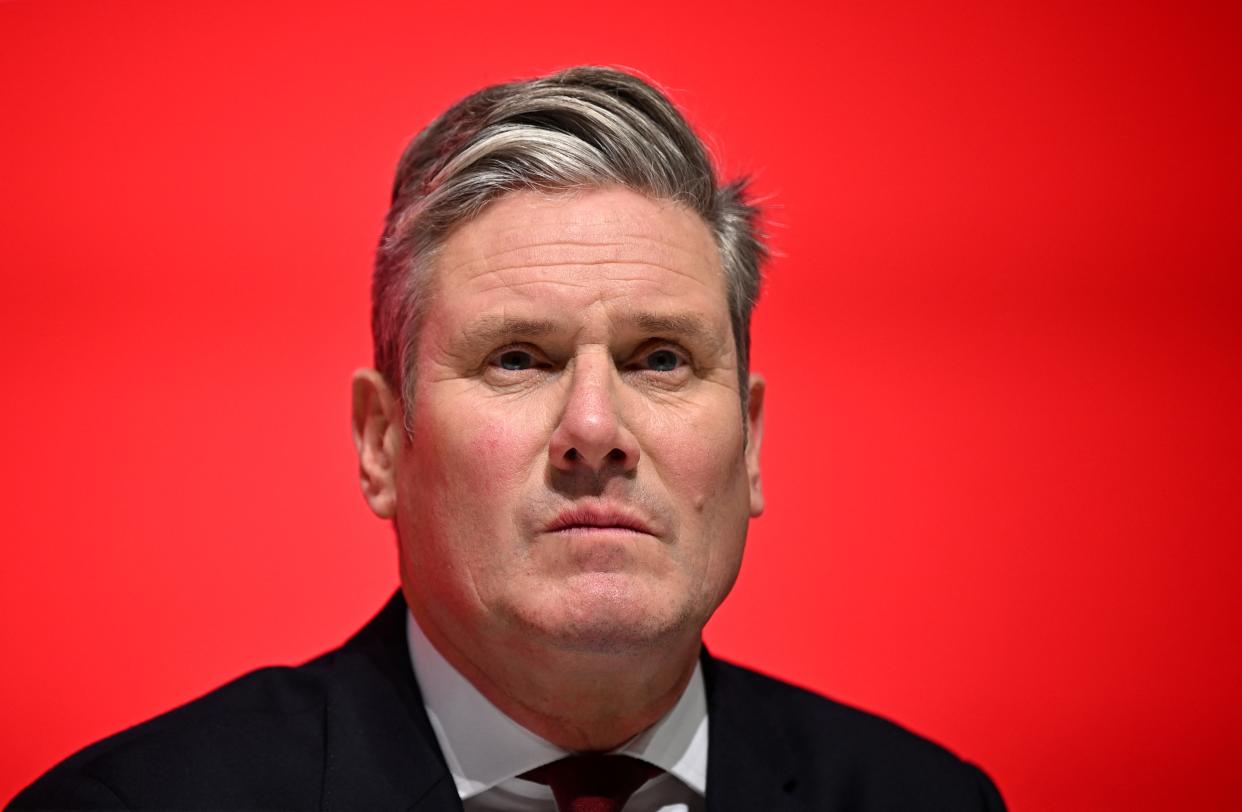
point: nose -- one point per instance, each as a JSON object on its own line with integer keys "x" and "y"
{"x": 590, "y": 432}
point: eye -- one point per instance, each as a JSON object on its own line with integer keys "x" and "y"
{"x": 515, "y": 360}
{"x": 662, "y": 361}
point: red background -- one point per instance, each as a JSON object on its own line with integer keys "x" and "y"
{"x": 1001, "y": 337}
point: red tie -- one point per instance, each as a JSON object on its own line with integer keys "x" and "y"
{"x": 593, "y": 782}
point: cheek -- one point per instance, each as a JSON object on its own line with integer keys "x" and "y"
{"x": 701, "y": 462}
{"x": 467, "y": 474}
{"x": 704, "y": 471}
{"x": 482, "y": 456}
{"x": 495, "y": 458}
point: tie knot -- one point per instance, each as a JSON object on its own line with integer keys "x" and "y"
{"x": 593, "y": 782}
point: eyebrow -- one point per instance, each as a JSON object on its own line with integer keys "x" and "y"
{"x": 490, "y": 329}
{"x": 493, "y": 329}
{"x": 688, "y": 325}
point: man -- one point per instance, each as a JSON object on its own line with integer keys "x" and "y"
{"x": 564, "y": 432}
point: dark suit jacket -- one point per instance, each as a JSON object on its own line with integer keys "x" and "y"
{"x": 348, "y": 731}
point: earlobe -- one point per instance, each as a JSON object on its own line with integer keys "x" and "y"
{"x": 754, "y": 438}
{"x": 375, "y": 415}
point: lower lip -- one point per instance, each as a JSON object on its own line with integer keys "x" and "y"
{"x": 600, "y": 533}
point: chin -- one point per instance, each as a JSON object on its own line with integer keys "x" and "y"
{"x": 604, "y": 613}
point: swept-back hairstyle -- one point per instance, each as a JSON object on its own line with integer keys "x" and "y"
{"x": 582, "y": 128}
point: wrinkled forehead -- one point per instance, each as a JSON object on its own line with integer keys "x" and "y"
{"x": 575, "y": 250}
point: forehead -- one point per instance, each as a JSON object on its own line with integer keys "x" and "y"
{"x": 567, "y": 252}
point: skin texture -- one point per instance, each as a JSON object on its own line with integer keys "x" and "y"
{"x": 572, "y": 499}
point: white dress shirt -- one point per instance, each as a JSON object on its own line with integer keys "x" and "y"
{"x": 486, "y": 750}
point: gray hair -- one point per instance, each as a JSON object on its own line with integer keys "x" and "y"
{"x": 582, "y": 128}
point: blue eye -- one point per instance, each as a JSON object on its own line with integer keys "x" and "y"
{"x": 515, "y": 360}
{"x": 663, "y": 361}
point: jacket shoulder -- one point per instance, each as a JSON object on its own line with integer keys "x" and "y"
{"x": 255, "y": 742}
{"x": 843, "y": 753}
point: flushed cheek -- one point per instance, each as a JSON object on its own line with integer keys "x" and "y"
{"x": 479, "y": 440}
{"x": 492, "y": 458}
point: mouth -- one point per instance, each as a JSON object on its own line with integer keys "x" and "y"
{"x": 598, "y": 520}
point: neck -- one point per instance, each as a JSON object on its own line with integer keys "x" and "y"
{"x": 579, "y": 701}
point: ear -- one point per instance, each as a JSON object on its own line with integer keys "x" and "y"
{"x": 378, "y": 435}
{"x": 754, "y": 438}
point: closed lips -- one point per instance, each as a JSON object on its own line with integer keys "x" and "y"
{"x": 596, "y": 519}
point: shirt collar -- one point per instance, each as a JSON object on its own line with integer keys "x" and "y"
{"x": 483, "y": 747}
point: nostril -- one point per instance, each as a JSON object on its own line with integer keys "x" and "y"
{"x": 616, "y": 455}
{"x": 571, "y": 454}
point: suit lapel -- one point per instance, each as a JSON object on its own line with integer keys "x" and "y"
{"x": 380, "y": 751}
{"x": 749, "y": 761}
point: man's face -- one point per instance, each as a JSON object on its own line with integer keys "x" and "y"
{"x": 577, "y": 472}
